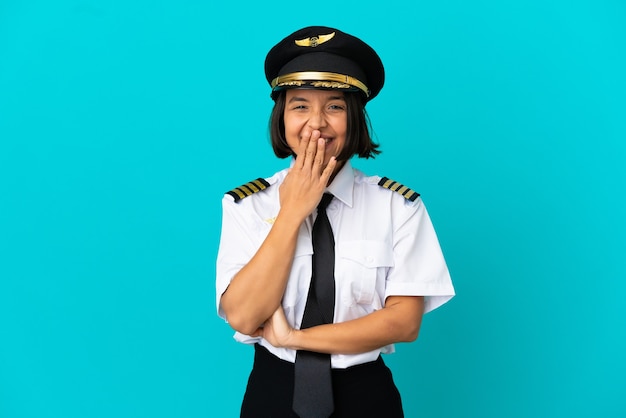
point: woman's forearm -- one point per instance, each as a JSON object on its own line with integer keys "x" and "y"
{"x": 398, "y": 321}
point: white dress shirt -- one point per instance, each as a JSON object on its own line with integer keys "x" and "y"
{"x": 385, "y": 246}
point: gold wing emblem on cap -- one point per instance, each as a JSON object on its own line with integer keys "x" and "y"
{"x": 314, "y": 41}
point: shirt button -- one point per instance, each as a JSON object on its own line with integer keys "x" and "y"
{"x": 369, "y": 259}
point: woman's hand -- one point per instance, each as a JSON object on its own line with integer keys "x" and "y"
{"x": 277, "y": 330}
{"x": 306, "y": 181}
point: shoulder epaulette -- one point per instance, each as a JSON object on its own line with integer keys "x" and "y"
{"x": 248, "y": 189}
{"x": 407, "y": 193}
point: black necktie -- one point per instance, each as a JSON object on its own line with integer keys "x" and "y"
{"x": 313, "y": 391}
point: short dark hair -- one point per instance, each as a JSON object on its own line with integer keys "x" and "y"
{"x": 358, "y": 138}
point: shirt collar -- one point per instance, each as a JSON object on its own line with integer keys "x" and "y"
{"x": 343, "y": 184}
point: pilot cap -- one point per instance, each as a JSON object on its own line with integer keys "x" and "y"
{"x": 324, "y": 58}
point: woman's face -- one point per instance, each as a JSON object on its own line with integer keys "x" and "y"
{"x": 308, "y": 110}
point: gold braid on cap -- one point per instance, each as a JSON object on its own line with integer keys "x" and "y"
{"x": 320, "y": 79}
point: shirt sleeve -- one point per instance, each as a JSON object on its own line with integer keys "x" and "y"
{"x": 236, "y": 245}
{"x": 419, "y": 266}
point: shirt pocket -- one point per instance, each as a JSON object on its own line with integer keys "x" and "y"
{"x": 360, "y": 264}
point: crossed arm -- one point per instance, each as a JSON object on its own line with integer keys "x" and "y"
{"x": 398, "y": 321}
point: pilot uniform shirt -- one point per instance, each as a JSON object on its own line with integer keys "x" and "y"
{"x": 385, "y": 245}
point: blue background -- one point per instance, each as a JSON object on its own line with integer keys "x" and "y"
{"x": 123, "y": 122}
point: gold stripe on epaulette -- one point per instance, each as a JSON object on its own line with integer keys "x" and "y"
{"x": 248, "y": 189}
{"x": 252, "y": 187}
{"x": 407, "y": 193}
{"x": 261, "y": 184}
{"x": 240, "y": 194}
{"x": 402, "y": 190}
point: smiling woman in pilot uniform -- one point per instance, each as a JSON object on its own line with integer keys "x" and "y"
{"x": 320, "y": 311}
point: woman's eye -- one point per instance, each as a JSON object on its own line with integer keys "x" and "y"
{"x": 336, "y": 107}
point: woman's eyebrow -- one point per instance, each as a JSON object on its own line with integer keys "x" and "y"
{"x": 297, "y": 99}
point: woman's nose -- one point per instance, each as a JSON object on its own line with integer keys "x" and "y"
{"x": 317, "y": 120}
